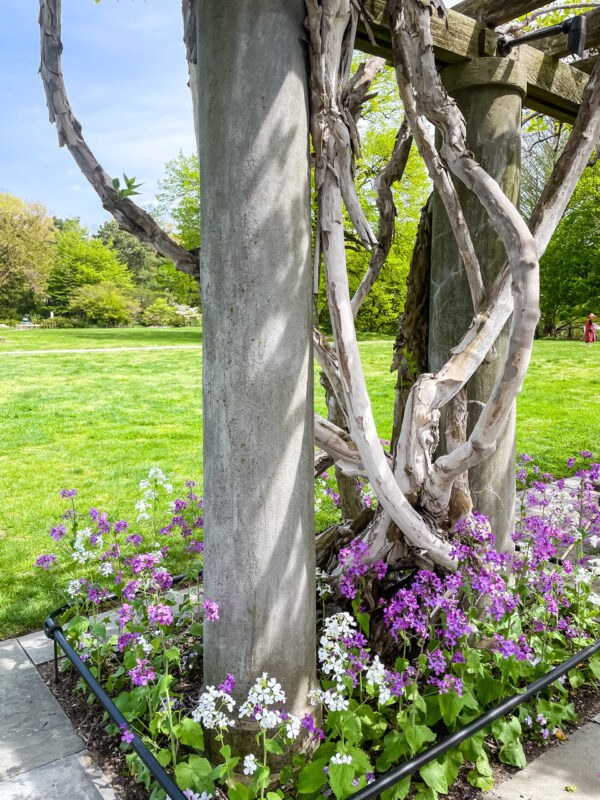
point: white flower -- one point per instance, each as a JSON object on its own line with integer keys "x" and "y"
{"x": 335, "y": 701}
{"x": 323, "y": 588}
{"x": 268, "y": 719}
{"x": 209, "y": 710}
{"x": 146, "y": 646}
{"x": 376, "y": 672}
{"x": 250, "y": 765}
{"x": 340, "y": 758}
{"x": 74, "y": 587}
{"x": 266, "y": 691}
{"x": 106, "y": 568}
{"x": 595, "y": 541}
{"x": 292, "y": 727}
{"x": 144, "y": 484}
{"x": 168, "y": 488}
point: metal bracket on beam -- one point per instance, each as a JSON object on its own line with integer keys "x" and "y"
{"x": 574, "y": 27}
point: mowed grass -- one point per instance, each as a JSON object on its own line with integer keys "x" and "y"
{"x": 97, "y": 422}
{"x": 12, "y": 339}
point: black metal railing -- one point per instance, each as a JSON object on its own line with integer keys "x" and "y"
{"x": 395, "y": 775}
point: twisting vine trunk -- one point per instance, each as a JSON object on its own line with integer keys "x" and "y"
{"x": 421, "y": 496}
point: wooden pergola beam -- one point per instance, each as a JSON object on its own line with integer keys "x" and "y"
{"x": 496, "y": 12}
{"x": 557, "y": 45}
{"x": 553, "y": 87}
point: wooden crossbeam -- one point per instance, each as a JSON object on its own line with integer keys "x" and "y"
{"x": 496, "y": 12}
{"x": 553, "y": 87}
{"x": 557, "y": 45}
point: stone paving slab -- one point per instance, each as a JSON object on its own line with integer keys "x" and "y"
{"x": 34, "y": 730}
{"x": 574, "y": 763}
{"x": 75, "y": 776}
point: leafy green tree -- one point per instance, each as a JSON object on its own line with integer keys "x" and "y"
{"x": 153, "y": 275}
{"x": 104, "y": 303}
{"x": 569, "y": 274}
{"x": 26, "y": 254}
{"x": 81, "y": 261}
{"x": 161, "y": 314}
{"x": 179, "y": 198}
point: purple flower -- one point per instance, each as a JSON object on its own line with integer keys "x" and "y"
{"x": 68, "y": 493}
{"x": 46, "y": 561}
{"x": 127, "y": 734}
{"x": 130, "y": 590}
{"x": 162, "y": 579}
{"x": 120, "y": 526}
{"x": 381, "y": 569}
{"x": 125, "y": 639}
{"x": 211, "y": 610}
{"x": 135, "y": 539}
{"x": 309, "y": 724}
{"x": 436, "y": 661}
{"x": 58, "y": 532}
{"x": 160, "y": 614}
{"x": 143, "y": 673}
{"x": 125, "y": 614}
{"x": 228, "y": 684}
{"x": 95, "y": 593}
{"x": 194, "y": 546}
{"x": 94, "y": 513}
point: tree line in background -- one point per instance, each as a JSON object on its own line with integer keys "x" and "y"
{"x": 52, "y": 267}
{"x": 110, "y": 278}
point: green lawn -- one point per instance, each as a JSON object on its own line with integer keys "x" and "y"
{"x": 97, "y": 421}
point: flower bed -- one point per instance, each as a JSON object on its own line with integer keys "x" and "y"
{"x": 450, "y": 646}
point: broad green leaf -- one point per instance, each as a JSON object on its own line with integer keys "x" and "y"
{"x": 512, "y": 753}
{"x": 471, "y": 748}
{"x": 397, "y": 792}
{"x": 239, "y": 792}
{"x": 163, "y": 757}
{"x": 340, "y": 779}
{"x": 417, "y": 736}
{"x": 434, "y": 775}
{"x": 450, "y": 706}
{"x": 274, "y": 747}
{"x": 190, "y": 733}
{"x": 395, "y": 745}
{"x": 311, "y": 777}
{"x": 483, "y": 782}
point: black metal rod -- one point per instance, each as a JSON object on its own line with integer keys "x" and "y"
{"x": 409, "y": 767}
{"x": 55, "y": 632}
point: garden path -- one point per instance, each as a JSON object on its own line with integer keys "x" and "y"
{"x": 41, "y": 755}
{"x": 103, "y": 349}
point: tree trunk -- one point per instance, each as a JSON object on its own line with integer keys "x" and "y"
{"x": 257, "y": 345}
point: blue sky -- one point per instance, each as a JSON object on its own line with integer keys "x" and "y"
{"x": 126, "y": 76}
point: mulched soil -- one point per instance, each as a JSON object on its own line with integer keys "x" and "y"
{"x": 105, "y": 749}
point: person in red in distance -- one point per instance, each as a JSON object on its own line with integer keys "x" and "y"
{"x": 590, "y": 330}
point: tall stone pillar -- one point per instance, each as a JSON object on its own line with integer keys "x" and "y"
{"x": 489, "y": 93}
{"x": 257, "y": 344}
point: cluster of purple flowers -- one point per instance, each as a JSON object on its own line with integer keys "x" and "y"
{"x": 142, "y": 673}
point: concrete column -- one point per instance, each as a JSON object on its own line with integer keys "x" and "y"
{"x": 489, "y": 92}
{"x": 257, "y": 346}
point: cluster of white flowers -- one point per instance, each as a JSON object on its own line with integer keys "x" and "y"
{"x": 250, "y": 765}
{"x": 340, "y": 758}
{"x": 80, "y": 552}
{"x": 264, "y": 693}
{"x": 209, "y": 710}
{"x": 75, "y": 587}
{"x": 145, "y": 644}
{"x": 332, "y": 699}
{"x": 323, "y": 588}
{"x": 376, "y": 676}
{"x": 156, "y": 477}
{"x": 292, "y": 727}
{"x": 332, "y": 654}
{"x": 106, "y": 568}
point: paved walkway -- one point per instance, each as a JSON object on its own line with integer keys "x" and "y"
{"x": 102, "y": 349}
{"x": 41, "y": 755}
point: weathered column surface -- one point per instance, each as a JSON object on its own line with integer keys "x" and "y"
{"x": 257, "y": 316}
{"x": 489, "y": 93}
